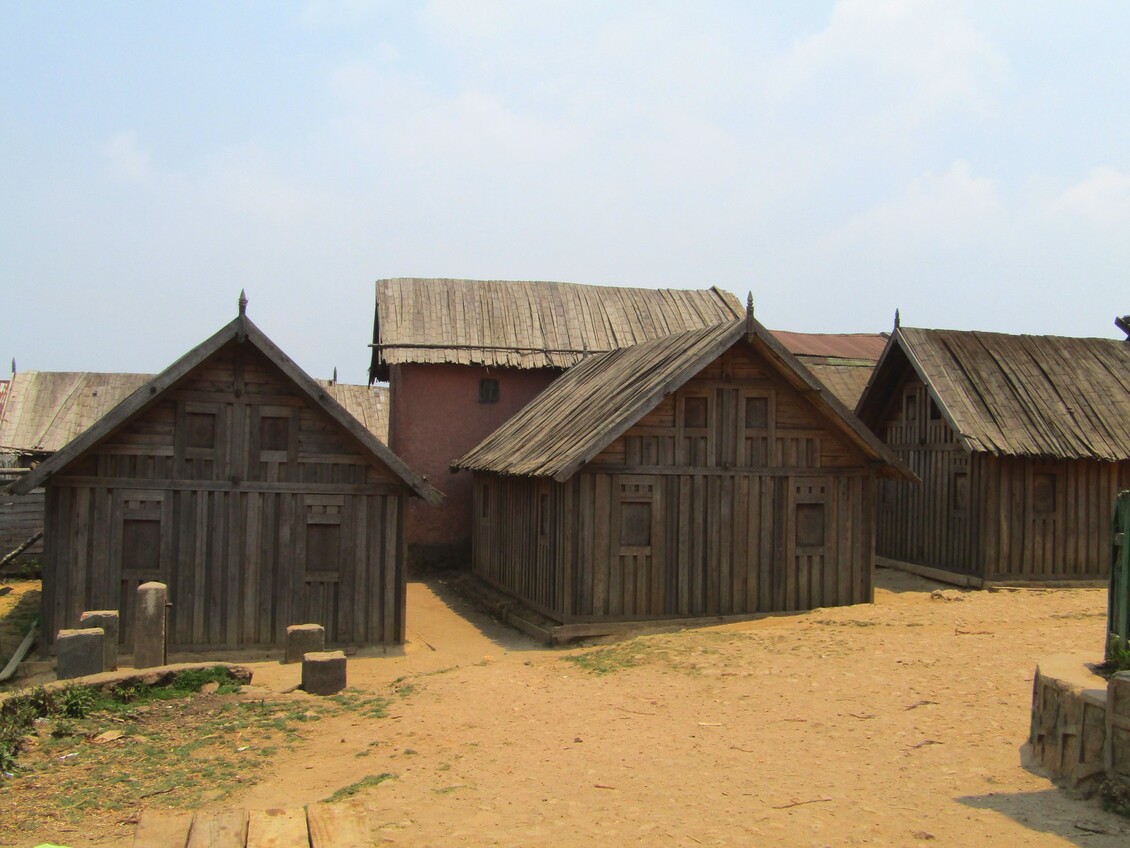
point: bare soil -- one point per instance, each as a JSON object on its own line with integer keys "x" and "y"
{"x": 896, "y": 723}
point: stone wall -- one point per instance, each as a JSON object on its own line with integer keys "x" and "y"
{"x": 1080, "y": 731}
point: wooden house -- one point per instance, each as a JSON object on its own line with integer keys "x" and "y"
{"x": 1021, "y": 443}
{"x": 240, "y": 482}
{"x": 463, "y": 356}
{"x": 702, "y": 474}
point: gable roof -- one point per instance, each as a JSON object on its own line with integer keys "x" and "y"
{"x": 593, "y": 403}
{"x": 508, "y": 324}
{"x": 44, "y": 410}
{"x": 241, "y": 330}
{"x": 1015, "y": 395}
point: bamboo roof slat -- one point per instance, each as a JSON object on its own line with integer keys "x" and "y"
{"x": 529, "y": 324}
{"x": 1020, "y": 395}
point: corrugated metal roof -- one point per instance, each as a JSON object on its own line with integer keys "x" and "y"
{"x": 591, "y": 404}
{"x": 46, "y": 409}
{"x": 839, "y": 345}
{"x": 529, "y": 324}
{"x": 1018, "y": 395}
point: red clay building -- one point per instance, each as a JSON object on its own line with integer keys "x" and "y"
{"x": 463, "y": 356}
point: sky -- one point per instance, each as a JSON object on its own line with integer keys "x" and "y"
{"x": 967, "y": 163}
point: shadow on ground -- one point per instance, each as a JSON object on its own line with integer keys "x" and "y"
{"x": 1080, "y": 822}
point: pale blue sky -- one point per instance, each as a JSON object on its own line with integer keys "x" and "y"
{"x": 966, "y": 162}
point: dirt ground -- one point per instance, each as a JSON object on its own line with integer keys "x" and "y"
{"x": 897, "y": 723}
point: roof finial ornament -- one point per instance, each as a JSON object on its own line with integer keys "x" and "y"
{"x": 749, "y": 313}
{"x": 13, "y": 366}
{"x": 334, "y": 383}
{"x": 242, "y": 302}
{"x": 898, "y": 322}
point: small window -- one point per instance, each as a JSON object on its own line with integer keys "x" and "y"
{"x": 960, "y": 491}
{"x": 810, "y": 525}
{"x": 484, "y": 501}
{"x": 141, "y": 546}
{"x": 935, "y": 411}
{"x": 200, "y": 430}
{"x": 635, "y": 525}
{"x": 1043, "y": 493}
{"x": 911, "y": 406}
{"x": 488, "y": 390}
{"x": 323, "y": 547}
{"x": 694, "y": 412}
{"x": 274, "y": 433}
{"x": 757, "y": 413}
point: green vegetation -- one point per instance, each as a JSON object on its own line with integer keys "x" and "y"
{"x": 1117, "y": 659}
{"x": 364, "y": 783}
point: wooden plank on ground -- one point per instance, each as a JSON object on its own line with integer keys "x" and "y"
{"x": 218, "y": 829}
{"x": 162, "y": 829}
{"x": 277, "y": 828}
{"x": 335, "y": 825}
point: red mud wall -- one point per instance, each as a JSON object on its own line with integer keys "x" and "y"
{"x": 436, "y": 417}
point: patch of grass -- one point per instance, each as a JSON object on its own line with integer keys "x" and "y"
{"x": 1115, "y": 797}
{"x": 1117, "y": 659}
{"x": 364, "y": 783}
{"x": 615, "y": 657}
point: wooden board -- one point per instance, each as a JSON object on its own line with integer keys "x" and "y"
{"x": 218, "y": 829}
{"x": 277, "y": 828}
{"x": 337, "y": 825}
{"x": 162, "y": 829}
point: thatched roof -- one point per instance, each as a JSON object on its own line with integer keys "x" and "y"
{"x": 593, "y": 403}
{"x": 43, "y": 410}
{"x": 1040, "y": 396}
{"x": 368, "y": 404}
{"x": 507, "y": 324}
{"x": 243, "y": 331}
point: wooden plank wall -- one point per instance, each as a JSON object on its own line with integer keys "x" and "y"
{"x": 721, "y": 544}
{"x": 992, "y": 517}
{"x": 20, "y": 517}
{"x": 732, "y": 496}
{"x": 933, "y": 522}
{"x": 517, "y": 546}
{"x": 254, "y": 526}
{"x": 1031, "y": 535}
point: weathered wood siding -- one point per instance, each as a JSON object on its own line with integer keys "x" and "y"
{"x": 254, "y": 506}
{"x": 732, "y": 496}
{"x": 991, "y": 517}
{"x": 21, "y": 516}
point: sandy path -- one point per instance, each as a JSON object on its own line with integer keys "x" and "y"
{"x": 897, "y": 723}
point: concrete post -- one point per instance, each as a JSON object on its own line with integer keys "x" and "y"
{"x": 79, "y": 652}
{"x": 1118, "y": 726}
{"x": 323, "y": 672}
{"x": 302, "y": 639}
{"x": 108, "y": 621}
{"x": 149, "y": 636}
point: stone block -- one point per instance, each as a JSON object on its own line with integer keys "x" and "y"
{"x": 108, "y": 621}
{"x": 79, "y": 652}
{"x": 323, "y": 672}
{"x": 1118, "y": 725}
{"x": 302, "y": 639}
{"x": 149, "y": 637}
